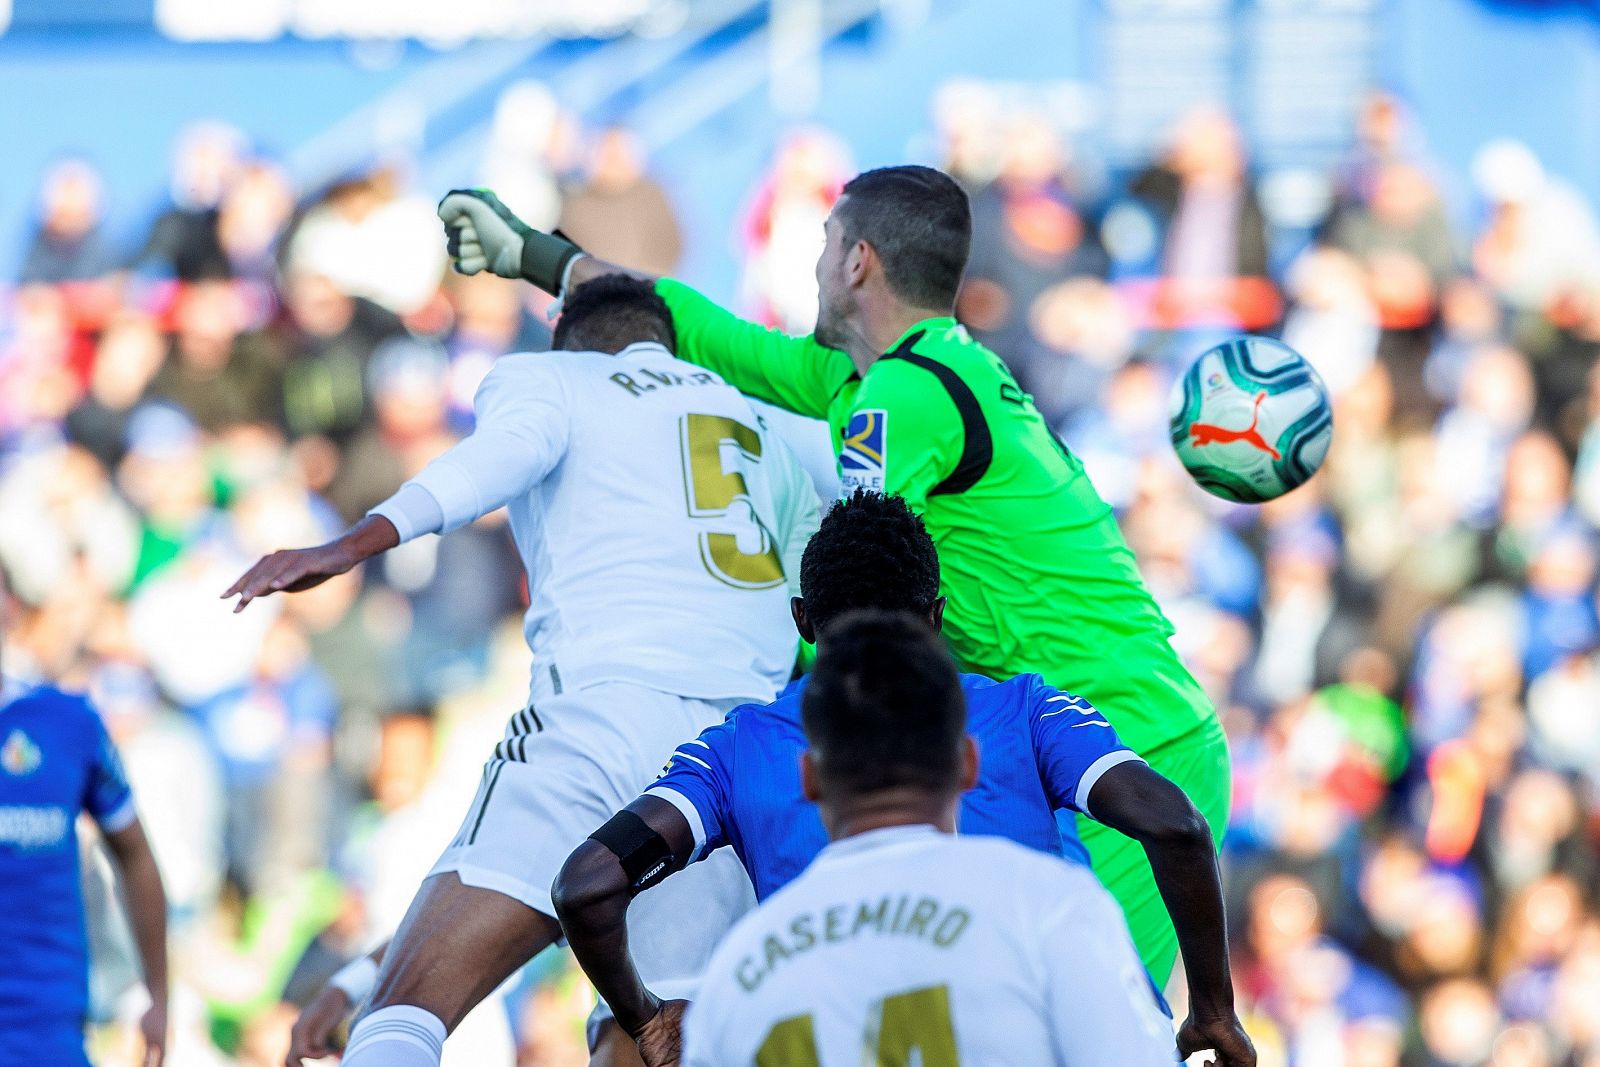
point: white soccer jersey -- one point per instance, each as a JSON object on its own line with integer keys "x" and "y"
{"x": 656, "y": 516}
{"x": 909, "y": 946}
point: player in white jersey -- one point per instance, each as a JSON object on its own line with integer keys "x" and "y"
{"x": 654, "y": 515}
{"x": 903, "y": 944}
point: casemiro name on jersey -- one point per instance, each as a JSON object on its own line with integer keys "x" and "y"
{"x": 922, "y": 918}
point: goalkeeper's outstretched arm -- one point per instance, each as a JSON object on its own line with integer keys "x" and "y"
{"x": 795, "y": 373}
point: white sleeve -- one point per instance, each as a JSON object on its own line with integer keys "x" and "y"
{"x": 1102, "y": 1009}
{"x": 523, "y": 425}
{"x": 412, "y": 512}
{"x": 799, "y": 510}
{"x": 707, "y": 1015}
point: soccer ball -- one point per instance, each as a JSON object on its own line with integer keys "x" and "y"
{"x": 1251, "y": 420}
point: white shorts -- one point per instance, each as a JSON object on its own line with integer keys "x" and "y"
{"x": 565, "y": 766}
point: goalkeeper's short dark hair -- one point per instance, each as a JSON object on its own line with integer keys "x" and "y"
{"x": 919, "y": 222}
{"x": 611, "y": 312}
{"x": 884, "y": 708}
{"x": 871, "y": 552}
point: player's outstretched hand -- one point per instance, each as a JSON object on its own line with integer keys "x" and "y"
{"x": 661, "y": 1039}
{"x": 311, "y": 1037}
{"x": 291, "y": 571}
{"x": 481, "y": 233}
{"x": 153, "y": 1028}
{"x": 1223, "y": 1036}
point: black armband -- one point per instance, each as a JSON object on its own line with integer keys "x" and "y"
{"x": 545, "y": 257}
{"x": 645, "y": 856}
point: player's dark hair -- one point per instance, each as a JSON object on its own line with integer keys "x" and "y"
{"x": 884, "y": 708}
{"x": 871, "y": 552}
{"x": 611, "y": 312}
{"x": 918, "y": 221}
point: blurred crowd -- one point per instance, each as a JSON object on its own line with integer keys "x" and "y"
{"x": 1404, "y": 651}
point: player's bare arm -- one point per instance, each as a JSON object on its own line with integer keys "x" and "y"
{"x": 1140, "y": 803}
{"x": 519, "y": 437}
{"x": 147, "y": 910}
{"x": 296, "y": 569}
{"x": 645, "y": 842}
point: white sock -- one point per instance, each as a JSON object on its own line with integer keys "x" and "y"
{"x": 396, "y": 1036}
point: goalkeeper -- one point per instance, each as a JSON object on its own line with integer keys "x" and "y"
{"x": 1038, "y": 577}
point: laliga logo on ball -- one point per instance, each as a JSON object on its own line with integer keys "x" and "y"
{"x": 1260, "y": 424}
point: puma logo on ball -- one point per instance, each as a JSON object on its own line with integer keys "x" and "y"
{"x": 1204, "y": 433}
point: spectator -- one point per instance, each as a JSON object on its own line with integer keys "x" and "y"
{"x": 1459, "y": 1022}
{"x": 1029, "y": 232}
{"x": 781, "y": 233}
{"x": 1115, "y": 437}
{"x": 271, "y": 733}
{"x": 970, "y": 121}
{"x": 331, "y": 336}
{"x": 1079, "y": 333}
{"x": 40, "y": 362}
{"x": 250, "y": 218}
{"x": 1334, "y": 322}
{"x": 216, "y": 375}
{"x": 1385, "y": 133}
{"x": 185, "y": 813}
{"x": 619, "y": 212}
{"x": 407, "y": 383}
{"x": 1540, "y": 240}
{"x": 1470, "y": 320}
{"x": 1475, "y": 436}
{"x": 1401, "y": 237}
{"x": 184, "y": 242}
{"x": 1535, "y": 498}
{"x": 61, "y": 524}
{"x": 131, "y": 351}
{"x": 492, "y": 318}
{"x": 1302, "y": 625}
{"x": 373, "y": 240}
{"x": 1399, "y": 234}
{"x": 1213, "y": 231}
{"x": 524, "y": 156}
{"x": 1541, "y": 922}
{"x": 68, "y": 245}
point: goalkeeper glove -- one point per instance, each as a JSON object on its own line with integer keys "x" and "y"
{"x": 482, "y": 234}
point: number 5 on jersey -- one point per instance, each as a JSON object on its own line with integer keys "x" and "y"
{"x": 713, "y": 490}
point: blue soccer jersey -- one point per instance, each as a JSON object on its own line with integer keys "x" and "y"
{"x": 1039, "y": 750}
{"x": 55, "y": 762}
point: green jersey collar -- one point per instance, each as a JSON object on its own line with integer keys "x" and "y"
{"x": 938, "y": 322}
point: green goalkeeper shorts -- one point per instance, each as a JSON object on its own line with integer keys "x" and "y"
{"x": 1198, "y": 762}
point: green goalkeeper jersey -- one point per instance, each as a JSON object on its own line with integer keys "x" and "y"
{"x": 1034, "y": 566}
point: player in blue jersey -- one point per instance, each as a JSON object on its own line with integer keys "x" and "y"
{"x": 903, "y": 943}
{"x": 1041, "y": 751}
{"x": 55, "y": 763}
